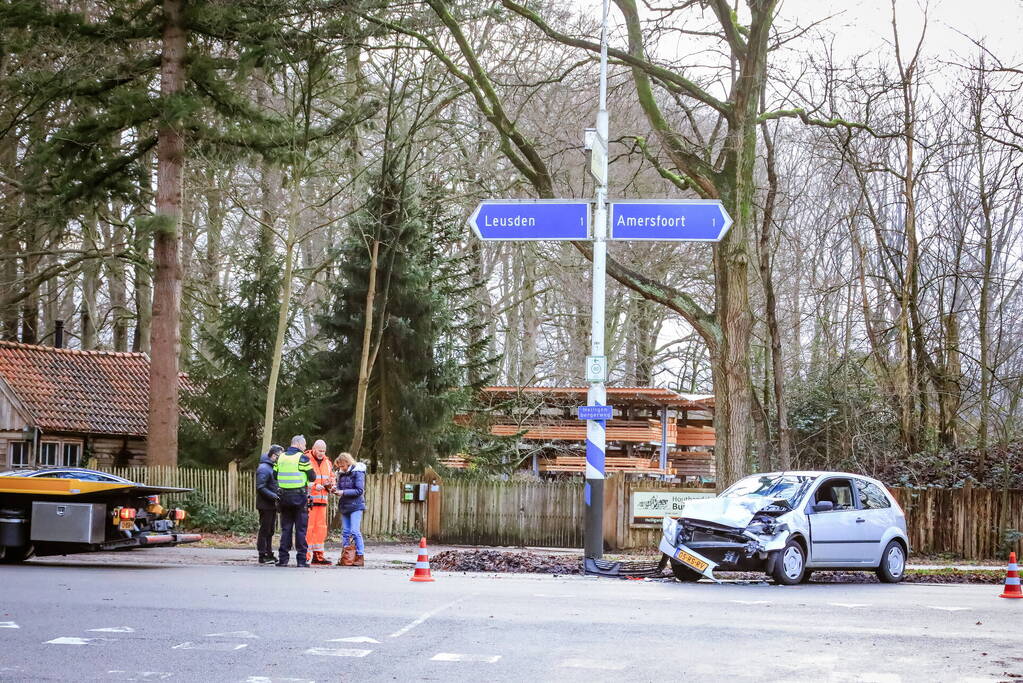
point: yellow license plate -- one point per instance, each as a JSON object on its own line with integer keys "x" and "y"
{"x": 691, "y": 560}
{"x": 127, "y": 525}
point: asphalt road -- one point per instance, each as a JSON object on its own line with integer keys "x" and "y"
{"x": 73, "y": 620}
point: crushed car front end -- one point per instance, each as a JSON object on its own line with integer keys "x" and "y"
{"x": 743, "y": 529}
{"x": 718, "y": 546}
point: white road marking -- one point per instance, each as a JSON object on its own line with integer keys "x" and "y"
{"x": 408, "y": 627}
{"x": 593, "y": 664}
{"x": 752, "y": 602}
{"x": 214, "y": 647}
{"x": 344, "y": 652}
{"x": 140, "y": 675}
{"x": 850, "y": 605}
{"x": 868, "y": 677}
{"x": 452, "y": 657}
{"x": 233, "y": 634}
{"x": 72, "y": 640}
{"x": 948, "y": 609}
{"x": 264, "y": 679}
{"x": 113, "y": 629}
{"x": 8, "y": 624}
{"x": 354, "y": 639}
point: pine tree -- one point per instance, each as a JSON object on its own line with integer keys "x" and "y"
{"x": 224, "y": 407}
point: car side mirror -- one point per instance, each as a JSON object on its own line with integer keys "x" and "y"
{"x": 823, "y": 506}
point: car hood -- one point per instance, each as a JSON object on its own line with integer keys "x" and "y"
{"x": 735, "y": 512}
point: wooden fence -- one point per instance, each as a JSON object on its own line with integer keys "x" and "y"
{"x": 960, "y": 522}
{"x": 536, "y": 513}
{"x": 233, "y": 489}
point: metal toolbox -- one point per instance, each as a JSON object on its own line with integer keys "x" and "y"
{"x": 68, "y": 522}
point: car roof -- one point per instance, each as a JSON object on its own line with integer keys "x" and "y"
{"x": 32, "y": 471}
{"x": 813, "y": 473}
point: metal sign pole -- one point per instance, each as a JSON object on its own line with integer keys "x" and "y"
{"x": 593, "y": 538}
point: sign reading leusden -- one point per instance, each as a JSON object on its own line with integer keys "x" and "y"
{"x": 681, "y": 220}
{"x": 650, "y": 507}
{"x": 531, "y": 219}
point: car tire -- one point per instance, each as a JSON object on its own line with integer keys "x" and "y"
{"x": 15, "y": 554}
{"x": 893, "y": 563}
{"x": 684, "y": 573}
{"x": 790, "y": 565}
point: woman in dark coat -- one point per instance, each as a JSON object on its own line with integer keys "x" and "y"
{"x": 351, "y": 487}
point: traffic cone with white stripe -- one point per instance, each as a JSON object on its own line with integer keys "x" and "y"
{"x": 422, "y": 572}
{"x": 1012, "y": 589}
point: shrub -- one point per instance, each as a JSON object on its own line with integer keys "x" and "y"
{"x": 205, "y": 517}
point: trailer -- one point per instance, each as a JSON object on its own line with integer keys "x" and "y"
{"x": 51, "y": 511}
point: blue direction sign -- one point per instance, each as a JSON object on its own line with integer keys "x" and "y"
{"x": 532, "y": 219}
{"x": 686, "y": 220}
{"x": 595, "y": 412}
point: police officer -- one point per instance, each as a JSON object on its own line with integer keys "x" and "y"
{"x": 294, "y": 472}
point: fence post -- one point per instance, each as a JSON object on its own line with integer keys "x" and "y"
{"x": 433, "y": 483}
{"x": 232, "y": 485}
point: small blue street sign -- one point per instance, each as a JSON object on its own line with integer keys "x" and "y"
{"x": 686, "y": 220}
{"x": 595, "y": 412}
{"x": 531, "y": 219}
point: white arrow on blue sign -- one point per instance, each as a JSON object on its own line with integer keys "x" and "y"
{"x": 685, "y": 220}
{"x": 531, "y": 219}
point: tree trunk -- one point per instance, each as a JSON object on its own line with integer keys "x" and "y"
{"x": 162, "y": 446}
{"x": 282, "y": 317}
{"x": 117, "y": 285}
{"x": 362, "y": 389}
{"x": 90, "y": 285}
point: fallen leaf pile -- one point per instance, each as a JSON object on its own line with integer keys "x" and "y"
{"x": 504, "y": 562}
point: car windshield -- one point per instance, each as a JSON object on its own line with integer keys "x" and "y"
{"x": 786, "y": 487}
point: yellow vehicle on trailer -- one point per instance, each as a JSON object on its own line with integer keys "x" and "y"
{"x": 59, "y": 511}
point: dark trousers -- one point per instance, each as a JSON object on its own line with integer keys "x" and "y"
{"x": 267, "y": 529}
{"x": 294, "y": 520}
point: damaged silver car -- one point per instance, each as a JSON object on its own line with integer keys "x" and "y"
{"x": 789, "y": 524}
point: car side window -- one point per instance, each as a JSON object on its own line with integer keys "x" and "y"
{"x": 871, "y": 497}
{"x": 838, "y": 492}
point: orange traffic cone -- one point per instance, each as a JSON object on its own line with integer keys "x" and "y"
{"x": 422, "y": 572}
{"x": 1012, "y": 589}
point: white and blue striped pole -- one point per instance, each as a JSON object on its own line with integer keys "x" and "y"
{"x": 593, "y": 537}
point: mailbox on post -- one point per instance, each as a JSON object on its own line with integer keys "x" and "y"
{"x": 414, "y": 493}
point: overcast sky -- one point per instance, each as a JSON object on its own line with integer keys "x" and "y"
{"x": 861, "y": 26}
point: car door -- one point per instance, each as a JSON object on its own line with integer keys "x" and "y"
{"x": 878, "y": 517}
{"x": 835, "y": 535}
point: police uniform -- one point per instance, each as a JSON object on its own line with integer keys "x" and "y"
{"x": 294, "y": 472}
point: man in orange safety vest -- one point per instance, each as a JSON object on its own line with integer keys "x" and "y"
{"x": 316, "y": 534}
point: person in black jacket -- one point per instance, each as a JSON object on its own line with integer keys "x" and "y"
{"x": 267, "y": 495}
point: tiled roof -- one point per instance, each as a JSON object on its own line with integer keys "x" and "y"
{"x": 89, "y": 392}
{"x": 615, "y": 395}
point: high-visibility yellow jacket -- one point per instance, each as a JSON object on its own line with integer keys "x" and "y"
{"x": 293, "y": 470}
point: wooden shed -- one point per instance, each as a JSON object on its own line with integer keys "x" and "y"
{"x": 60, "y": 407}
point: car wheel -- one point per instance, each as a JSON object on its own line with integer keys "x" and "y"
{"x": 684, "y": 573}
{"x": 893, "y": 563}
{"x": 790, "y": 565}
{"x": 15, "y": 554}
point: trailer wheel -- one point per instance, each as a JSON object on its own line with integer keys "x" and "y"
{"x": 15, "y": 554}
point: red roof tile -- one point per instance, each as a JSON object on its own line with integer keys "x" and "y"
{"x": 89, "y": 392}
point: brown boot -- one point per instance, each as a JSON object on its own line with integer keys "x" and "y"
{"x": 318, "y": 558}
{"x": 359, "y": 561}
